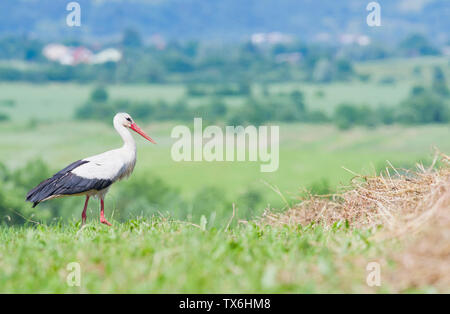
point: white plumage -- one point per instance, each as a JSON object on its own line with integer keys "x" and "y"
{"x": 114, "y": 165}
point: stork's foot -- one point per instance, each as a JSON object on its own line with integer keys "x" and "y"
{"x": 102, "y": 213}
{"x": 83, "y": 220}
{"x": 104, "y": 221}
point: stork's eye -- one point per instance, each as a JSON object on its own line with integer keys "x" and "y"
{"x": 128, "y": 119}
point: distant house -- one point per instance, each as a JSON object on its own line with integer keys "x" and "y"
{"x": 77, "y": 55}
{"x": 57, "y": 53}
{"x": 107, "y": 55}
{"x": 81, "y": 55}
{"x": 349, "y": 39}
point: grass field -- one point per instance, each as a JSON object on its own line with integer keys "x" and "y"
{"x": 281, "y": 253}
{"x": 158, "y": 256}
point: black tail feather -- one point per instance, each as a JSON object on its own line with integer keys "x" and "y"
{"x": 47, "y": 187}
{"x": 65, "y": 183}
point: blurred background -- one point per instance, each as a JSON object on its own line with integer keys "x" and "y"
{"x": 344, "y": 94}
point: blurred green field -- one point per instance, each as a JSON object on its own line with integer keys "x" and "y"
{"x": 51, "y": 102}
{"x": 308, "y": 153}
{"x": 58, "y": 101}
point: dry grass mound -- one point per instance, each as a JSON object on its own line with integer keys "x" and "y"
{"x": 400, "y": 200}
{"x": 412, "y": 206}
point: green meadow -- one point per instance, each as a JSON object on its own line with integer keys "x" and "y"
{"x": 308, "y": 153}
{"x": 163, "y": 256}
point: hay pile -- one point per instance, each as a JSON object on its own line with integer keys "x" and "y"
{"x": 412, "y": 206}
{"x": 401, "y": 201}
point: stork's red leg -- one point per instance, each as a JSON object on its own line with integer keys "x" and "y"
{"x": 102, "y": 213}
{"x": 83, "y": 214}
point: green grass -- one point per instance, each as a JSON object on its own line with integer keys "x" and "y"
{"x": 162, "y": 256}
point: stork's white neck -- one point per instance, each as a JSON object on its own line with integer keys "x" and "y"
{"x": 128, "y": 140}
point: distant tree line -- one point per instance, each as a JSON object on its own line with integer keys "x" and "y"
{"x": 195, "y": 62}
{"x": 423, "y": 105}
{"x": 255, "y": 110}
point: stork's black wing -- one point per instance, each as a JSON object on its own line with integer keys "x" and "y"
{"x": 65, "y": 182}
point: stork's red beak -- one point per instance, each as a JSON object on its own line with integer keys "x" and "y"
{"x": 139, "y": 131}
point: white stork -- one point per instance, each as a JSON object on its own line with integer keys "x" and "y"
{"x": 94, "y": 175}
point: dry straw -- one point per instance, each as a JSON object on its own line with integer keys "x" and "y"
{"x": 412, "y": 206}
{"x": 400, "y": 200}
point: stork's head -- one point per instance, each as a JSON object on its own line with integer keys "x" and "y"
{"x": 125, "y": 120}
